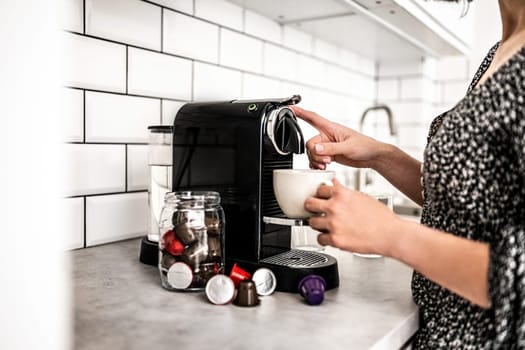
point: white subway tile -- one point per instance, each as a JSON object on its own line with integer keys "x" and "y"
{"x": 349, "y": 60}
{"x": 213, "y": 82}
{"x": 179, "y": 5}
{"x": 407, "y": 113}
{"x": 336, "y": 79}
{"x": 130, "y": 21}
{"x": 453, "y": 68}
{"x": 116, "y": 217}
{"x": 367, "y": 66}
{"x": 72, "y": 214}
{"x": 413, "y": 137}
{"x": 262, "y": 27}
{"x": 94, "y": 169}
{"x": 401, "y": 68}
{"x": 190, "y": 37}
{"x": 240, "y": 51}
{"x": 72, "y": 115}
{"x": 221, "y": 12}
{"x": 158, "y": 75}
{"x": 169, "y": 111}
{"x": 119, "y": 118}
{"x": 72, "y": 15}
{"x": 388, "y": 89}
{"x": 297, "y": 40}
{"x": 325, "y": 50}
{"x": 454, "y": 91}
{"x": 257, "y": 87}
{"x": 94, "y": 64}
{"x": 280, "y": 63}
{"x": 363, "y": 87}
{"x": 137, "y": 167}
{"x": 417, "y": 88}
{"x": 311, "y": 71}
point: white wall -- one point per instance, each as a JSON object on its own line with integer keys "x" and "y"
{"x": 35, "y": 298}
{"x": 133, "y": 63}
{"x": 487, "y": 30}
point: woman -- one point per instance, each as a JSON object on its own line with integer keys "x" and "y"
{"x": 468, "y": 253}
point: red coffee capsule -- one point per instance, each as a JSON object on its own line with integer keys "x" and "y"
{"x": 238, "y": 274}
{"x": 172, "y": 244}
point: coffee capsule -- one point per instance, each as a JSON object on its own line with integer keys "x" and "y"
{"x": 213, "y": 224}
{"x": 247, "y": 294}
{"x": 171, "y": 244}
{"x": 265, "y": 281}
{"x": 195, "y": 254}
{"x": 180, "y": 275}
{"x": 220, "y": 290}
{"x": 214, "y": 247}
{"x": 167, "y": 260}
{"x": 312, "y": 289}
{"x": 237, "y": 275}
{"x": 185, "y": 233}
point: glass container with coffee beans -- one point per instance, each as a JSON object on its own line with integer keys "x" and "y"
{"x": 191, "y": 246}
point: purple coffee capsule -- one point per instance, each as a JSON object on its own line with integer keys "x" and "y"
{"x": 312, "y": 289}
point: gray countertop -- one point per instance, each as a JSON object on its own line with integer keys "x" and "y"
{"x": 120, "y": 304}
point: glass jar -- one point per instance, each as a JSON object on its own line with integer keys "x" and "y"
{"x": 191, "y": 247}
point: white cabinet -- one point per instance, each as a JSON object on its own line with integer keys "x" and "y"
{"x": 379, "y": 29}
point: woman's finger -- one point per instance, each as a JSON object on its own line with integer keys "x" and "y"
{"x": 320, "y": 166}
{"x": 318, "y": 223}
{"x": 312, "y": 118}
{"x": 324, "y": 239}
{"x": 315, "y": 205}
{"x": 325, "y": 191}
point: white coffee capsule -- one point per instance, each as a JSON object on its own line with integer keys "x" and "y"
{"x": 265, "y": 281}
{"x": 180, "y": 275}
{"x": 220, "y": 289}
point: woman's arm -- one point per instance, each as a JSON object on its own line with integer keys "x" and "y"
{"x": 401, "y": 170}
{"x": 338, "y": 143}
{"x": 458, "y": 264}
{"x": 358, "y": 223}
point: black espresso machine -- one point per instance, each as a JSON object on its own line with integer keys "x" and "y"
{"x": 232, "y": 147}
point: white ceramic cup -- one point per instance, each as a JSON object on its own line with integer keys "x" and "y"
{"x": 293, "y": 186}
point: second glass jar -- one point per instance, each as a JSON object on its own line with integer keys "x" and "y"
{"x": 191, "y": 248}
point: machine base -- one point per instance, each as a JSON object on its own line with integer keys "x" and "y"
{"x": 291, "y": 266}
{"x": 149, "y": 252}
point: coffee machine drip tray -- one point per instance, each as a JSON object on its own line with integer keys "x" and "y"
{"x": 284, "y": 221}
{"x": 297, "y": 258}
{"x": 292, "y": 265}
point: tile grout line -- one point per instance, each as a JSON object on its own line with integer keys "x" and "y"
{"x": 127, "y": 68}
{"x": 85, "y": 222}
{"x": 83, "y": 16}
{"x": 162, "y": 29}
{"x": 126, "y": 168}
{"x": 83, "y": 116}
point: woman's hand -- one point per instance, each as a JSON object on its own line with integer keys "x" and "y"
{"x": 336, "y": 142}
{"x": 351, "y": 220}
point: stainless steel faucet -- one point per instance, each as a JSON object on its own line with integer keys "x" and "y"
{"x": 388, "y": 111}
{"x": 393, "y": 131}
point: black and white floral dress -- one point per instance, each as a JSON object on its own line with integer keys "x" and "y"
{"x": 474, "y": 187}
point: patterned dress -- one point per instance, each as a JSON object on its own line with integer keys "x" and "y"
{"x": 474, "y": 187}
